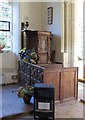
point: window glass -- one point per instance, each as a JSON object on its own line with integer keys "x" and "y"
{"x": 5, "y": 24}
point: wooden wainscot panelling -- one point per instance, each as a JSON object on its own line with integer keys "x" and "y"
{"x": 65, "y": 80}
{"x": 53, "y": 76}
{"x": 69, "y": 83}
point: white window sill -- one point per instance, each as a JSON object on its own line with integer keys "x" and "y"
{"x": 6, "y": 50}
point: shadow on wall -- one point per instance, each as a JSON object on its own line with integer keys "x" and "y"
{"x": 56, "y": 45}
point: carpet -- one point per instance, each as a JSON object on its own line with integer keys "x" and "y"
{"x": 11, "y": 103}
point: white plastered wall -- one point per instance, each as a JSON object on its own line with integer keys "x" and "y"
{"x": 55, "y": 28}
{"x": 32, "y": 12}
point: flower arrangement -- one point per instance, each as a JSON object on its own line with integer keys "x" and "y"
{"x": 28, "y": 55}
{"x": 26, "y": 93}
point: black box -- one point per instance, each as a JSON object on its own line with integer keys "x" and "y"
{"x": 43, "y": 101}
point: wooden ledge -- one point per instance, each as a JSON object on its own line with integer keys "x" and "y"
{"x": 81, "y": 80}
{"x": 82, "y": 100}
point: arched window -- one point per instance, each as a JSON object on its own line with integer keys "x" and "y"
{"x": 9, "y": 25}
{"x": 6, "y": 24}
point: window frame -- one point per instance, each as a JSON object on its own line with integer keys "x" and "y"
{"x": 8, "y": 29}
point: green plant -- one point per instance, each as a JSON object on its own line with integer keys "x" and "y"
{"x": 26, "y": 93}
{"x": 22, "y": 91}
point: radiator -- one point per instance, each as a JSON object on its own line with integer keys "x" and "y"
{"x": 8, "y": 76}
{"x": 8, "y": 68}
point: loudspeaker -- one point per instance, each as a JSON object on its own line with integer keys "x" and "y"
{"x": 43, "y": 101}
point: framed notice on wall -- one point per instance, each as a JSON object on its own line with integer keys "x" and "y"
{"x": 50, "y": 15}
